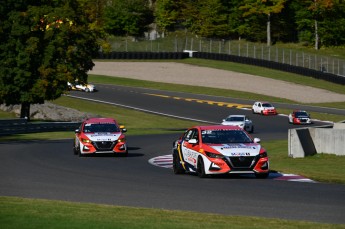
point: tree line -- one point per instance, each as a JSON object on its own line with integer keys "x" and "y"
{"x": 46, "y": 43}
{"x": 312, "y": 22}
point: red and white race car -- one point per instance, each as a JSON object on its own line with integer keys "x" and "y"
{"x": 219, "y": 149}
{"x": 299, "y": 117}
{"x": 100, "y": 135}
{"x": 264, "y": 108}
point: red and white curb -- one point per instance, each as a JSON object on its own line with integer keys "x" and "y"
{"x": 166, "y": 161}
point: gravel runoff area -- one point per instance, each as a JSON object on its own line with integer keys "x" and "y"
{"x": 177, "y": 73}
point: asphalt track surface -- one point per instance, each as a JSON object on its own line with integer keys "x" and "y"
{"x": 49, "y": 170}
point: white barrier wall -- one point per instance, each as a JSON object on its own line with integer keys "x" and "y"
{"x": 308, "y": 141}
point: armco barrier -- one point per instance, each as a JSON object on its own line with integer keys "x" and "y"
{"x": 21, "y": 126}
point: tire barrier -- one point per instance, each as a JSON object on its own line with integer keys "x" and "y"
{"x": 273, "y": 65}
{"x": 225, "y": 57}
{"x": 143, "y": 55}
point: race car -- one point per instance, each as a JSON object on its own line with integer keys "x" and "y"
{"x": 99, "y": 136}
{"x": 264, "y": 108}
{"x": 299, "y": 117}
{"x": 219, "y": 149}
{"x": 241, "y": 121}
{"x": 81, "y": 87}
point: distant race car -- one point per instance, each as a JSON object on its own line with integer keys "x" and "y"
{"x": 219, "y": 149}
{"x": 241, "y": 121}
{"x": 299, "y": 117}
{"x": 100, "y": 135}
{"x": 264, "y": 108}
{"x": 81, "y": 87}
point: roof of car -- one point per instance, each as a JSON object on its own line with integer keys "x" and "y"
{"x": 100, "y": 120}
{"x": 219, "y": 127}
{"x": 236, "y": 116}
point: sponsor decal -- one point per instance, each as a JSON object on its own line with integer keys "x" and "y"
{"x": 240, "y": 154}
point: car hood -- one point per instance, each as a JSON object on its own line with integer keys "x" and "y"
{"x": 103, "y": 136}
{"x": 232, "y": 123}
{"x": 302, "y": 116}
{"x": 238, "y": 149}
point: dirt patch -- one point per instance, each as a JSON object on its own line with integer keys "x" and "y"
{"x": 185, "y": 74}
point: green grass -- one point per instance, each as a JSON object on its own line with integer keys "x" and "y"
{"x": 320, "y": 167}
{"x": 36, "y": 213}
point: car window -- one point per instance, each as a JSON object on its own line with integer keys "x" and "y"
{"x": 188, "y": 135}
{"x": 224, "y": 136}
{"x": 266, "y": 105}
{"x": 101, "y": 127}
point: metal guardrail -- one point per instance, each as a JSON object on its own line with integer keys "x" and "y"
{"x": 22, "y": 126}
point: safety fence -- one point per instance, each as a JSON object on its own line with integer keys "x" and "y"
{"x": 295, "y": 57}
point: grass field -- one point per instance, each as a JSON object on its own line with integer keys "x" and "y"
{"x": 34, "y": 213}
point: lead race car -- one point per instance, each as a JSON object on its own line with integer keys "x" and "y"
{"x": 219, "y": 149}
{"x": 100, "y": 135}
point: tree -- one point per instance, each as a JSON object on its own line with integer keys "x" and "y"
{"x": 43, "y": 45}
{"x": 127, "y": 17}
{"x": 167, "y": 14}
{"x": 266, "y": 7}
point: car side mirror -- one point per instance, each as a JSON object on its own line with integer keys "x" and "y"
{"x": 123, "y": 129}
{"x": 257, "y": 140}
{"x": 77, "y": 131}
{"x": 223, "y": 120}
{"x": 192, "y": 141}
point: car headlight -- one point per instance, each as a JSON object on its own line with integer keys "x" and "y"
{"x": 214, "y": 155}
{"x": 85, "y": 140}
{"x": 121, "y": 140}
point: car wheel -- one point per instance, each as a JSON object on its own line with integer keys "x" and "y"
{"x": 262, "y": 113}
{"x": 261, "y": 175}
{"x": 125, "y": 154}
{"x": 75, "y": 150}
{"x": 177, "y": 168}
{"x": 252, "y": 130}
{"x": 253, "y": 111}
{"x": 79, "y": 152}
{"x": 87, "y": 90}
{"x": 201, "y": 168}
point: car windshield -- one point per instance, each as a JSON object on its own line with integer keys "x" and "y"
{"x": 100, "y": 127}
{"x": 225, "y": 136}
{"x": 234, "y": 119}
{"x": 266, "y": 105}
{"x": 301, "y": 114}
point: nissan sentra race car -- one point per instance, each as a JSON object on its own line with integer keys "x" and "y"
{"x": 100, "y": 135}
{"x": 220, "y": 149}
{"x": 264, "y": 108}
{"x": 239, "y": 120}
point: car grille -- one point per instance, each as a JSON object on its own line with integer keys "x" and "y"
{"x": 104, "y": 145}
{"x": 241, "y": 162}
{"x": 303, "y": 120}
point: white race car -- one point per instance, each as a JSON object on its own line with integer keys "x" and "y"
{"x": 240, "y": 121}
{"x": 264, "y": 108}
{"x": 81, "y": 87}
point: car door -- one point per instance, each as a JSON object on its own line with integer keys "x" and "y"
{"x": 190, "y": 147}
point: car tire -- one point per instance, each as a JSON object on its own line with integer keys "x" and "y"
{"x": 201, "y": 168}
{"x": 87, "y": 90}
{"x": 177, "y": 168}
{"x": 79, "y": 152}
{"x": 251, "y": 130}
{"x": 125, "y": 154}
{"x": 261, "y": 175}
{"x": 253, "y": 111}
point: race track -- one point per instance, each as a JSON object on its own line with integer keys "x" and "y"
{"x": 48, "y": 169}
